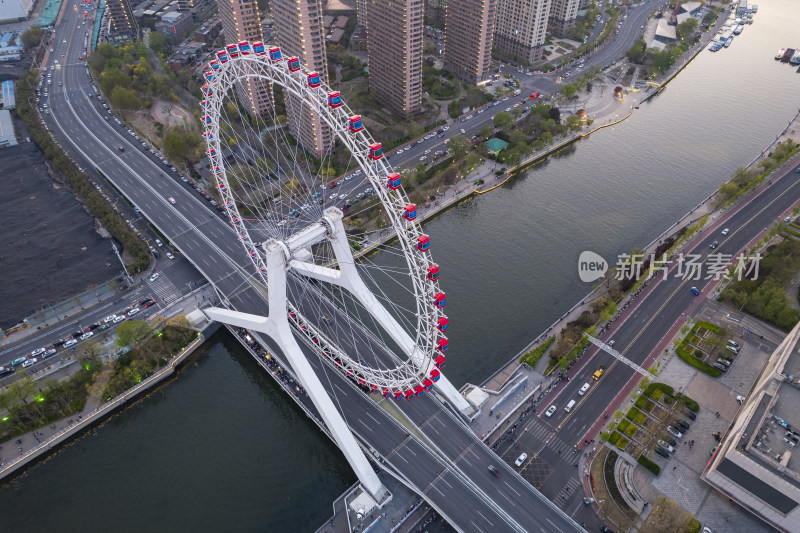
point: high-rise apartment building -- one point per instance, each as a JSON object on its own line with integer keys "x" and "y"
{"x": 562, "y": 16}
{"x": 583, "y": 4}
{"x": 241, "y": 21}
{"x": 299, "y": 32}
{"x": 468, "y": 37}
{"x": 520, "y": 28}
{"x": 394, "y": 49}
{"x": 121, "y": 21}
{"x": 361, "y": 12}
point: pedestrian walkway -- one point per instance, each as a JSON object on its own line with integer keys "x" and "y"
{"x": 567, "y": 492}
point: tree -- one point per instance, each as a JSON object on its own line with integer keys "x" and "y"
{"x": 176, "y": 146}
{"x": 555, "y": 114}
{"x": 471, "y": 161}
{"x": 158, "y": 42}
{"x": 574, "y": 123}
{"x": 686, "y": 28}
{"x": 31, "y": 37}
{"x": 415, "y": 130}
{"x": 636, "y": 53}
{"x": 486, "y": 131}
{"x": 459, "y": 145}
{"x": 125, "y": 98}
{"x": 503, "y": 120}
{"x": 568, "y": 90}
{"x": 131, "y": 332}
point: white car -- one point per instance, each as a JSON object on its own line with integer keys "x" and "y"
{"x": 332, "y": 197}
{"x": 342, "y": 196}
{"x": 87, "y": 335}
{"x": 71, "y": 342}
{"x": 109, "y": 318}
{"x": 666, "y": 446}
{"x": 154, "y": 276}
{"x": 521, "y": 459}
{"x": 584, "y": 389}
{"x": 169, "y": 254}
{"x": 282, "y": 223}
{"x": 133, "y": 311}
{"x": 674, "y": 432}
{"x": 463, "y": 131}
{"x": 117, "y": 320}
{"x": 30, "y": 362}
{"x": 550, "y": 411}
{"x": 38, "y": 351}
{"x": 725, "y": 231}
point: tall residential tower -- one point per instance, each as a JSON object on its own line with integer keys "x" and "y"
{"x": 562, "y": 16}
{"x": 521, "y": 28}
{"x": 468, "y": 37}
{"x": 299, "y": 32}
{"x": 241, "y": 21}
{"x": 394, "y": 48}
{"x": 121, "y": 21}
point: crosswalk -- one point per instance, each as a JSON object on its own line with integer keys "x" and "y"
{"x": 567, "y": 491}
{"x": 164, "y": 290}
{"x": 551, "y": 441}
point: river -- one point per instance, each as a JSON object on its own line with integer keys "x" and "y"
{"x": 220, "y": 447}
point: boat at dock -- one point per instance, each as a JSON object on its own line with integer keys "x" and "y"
{"x": 780, "y": 53}
{"x": 728, "y": 42}
{"x": 795, "y": 60}
{"x": 738, "y": 29}
{"x": 715, "y": 47}
{"x": 787, "y": 55}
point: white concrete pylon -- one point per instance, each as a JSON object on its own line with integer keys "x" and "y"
{"x": 348, "y": 277}
{"x": 276, "y": 326}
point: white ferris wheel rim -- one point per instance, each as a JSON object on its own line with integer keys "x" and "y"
{"x": 263, "y": 67}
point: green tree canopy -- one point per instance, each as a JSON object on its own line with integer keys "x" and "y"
{"x": 31, "y": 37}
{"x": 686, "y": 28}
{"x": 125, "y": 98}
{"x": 486, "y": 131}
{"x": 503, "y": 120}
{"x": 158, "y": 43}
{"x": 568, "y": 90}
{"x": 131, "y": 332}
{"x": 459, "y": 145}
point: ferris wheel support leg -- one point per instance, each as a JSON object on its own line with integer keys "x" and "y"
{"x": 350, "y": 279}
{"x": 277, "y": 327}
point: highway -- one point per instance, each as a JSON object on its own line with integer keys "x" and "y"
{"x": 465, "y": 492}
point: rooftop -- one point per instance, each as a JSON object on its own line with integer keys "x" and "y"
{"x": 495, "y": 145}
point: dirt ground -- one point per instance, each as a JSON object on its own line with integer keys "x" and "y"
{"x": 171, "y": 114}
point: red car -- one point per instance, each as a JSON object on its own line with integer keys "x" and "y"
{"x": 121, "y": 149}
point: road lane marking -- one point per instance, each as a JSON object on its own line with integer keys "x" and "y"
{"x": 512, "y": 489}
{"x": 552, "y": 524}
{"x": 489, "y": 521}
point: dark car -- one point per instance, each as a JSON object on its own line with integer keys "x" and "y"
{"x": 94, "y": 327}
{"x": 690, "y": 414}
{"x": 606, "y": 529}
{"x": 670, "y": 440}
{"x": 662, "y": 452}
{"x": 494, "y": 471}
{"x": 714, "y": 244}
{"x": 684, "y": 427}
{"x": 58, "y": 343}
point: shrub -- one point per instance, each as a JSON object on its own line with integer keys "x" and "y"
{"x": 648, "y": 464}
{"x": 663, "y": 388}
{"x": 623, "y": 443}
{"x": 641, "y": 401}
{"x": 691, "y": 360}
{"x": 698, "y": 354}
{"x": 656, "y": 395}
{"x": 532, "y": 356}
{"x": 669, "y": 400}
{"x": 688, "y": 402}
{"x": 631, "y": 431}
{"x": 623, "y": 425}
{"x": 614, "y": 438}
{"x": 640, "y": 418}
{"x": 632, "y": 413}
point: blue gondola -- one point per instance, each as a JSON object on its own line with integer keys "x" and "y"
{"x": 244, "y": 48}
{"x": 313, "y": 79}
{"x": 258, "y": 48}
{"x": 393, "y": 181}
{"x": 423, "y": 243}
{"x": 209, "y": 75}
{"x": 275, "y": 53}
{"x": 375, "y": 151}
{"x": 334, "y": 99}
{"x": 354, "y": 123}
{"x": 293, "y": 63}
{"x": 410, "y": 212}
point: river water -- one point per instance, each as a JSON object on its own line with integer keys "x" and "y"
{"x": 220, "y": 447}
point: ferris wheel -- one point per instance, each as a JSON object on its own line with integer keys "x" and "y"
{"x": 290, "y": 160}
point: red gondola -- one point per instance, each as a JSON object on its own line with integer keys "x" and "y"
{"x": 373, "y": 389}
{"x": 313, "y": 79}
{"x": 222, "y": 56}
{"x": 433, "y": 272}
{"x": 439, "y": 300}
{"x": 375, "y": 151}
{"x": 293, "y": 63}
{"x": 443, "y": 323}
{"x": 211, "y": 152}
{"x": 423, "y": 243}
{"x": 435, "y": 375}
{"x": 427, "y": 383}
{"x": 439, "y": 361}
{"x": 398, "y": 395}
{"x": 214, "y": 64}
{"x": 386, "y": 393}
{"x": 209, "y": 76}
{"x": 442, "y": 344}
{"x": 244, "y": 48}
{"x": 258, "y": 48}
{"x": 222, "y": 187}
{"x": 334, "y": 99}
{"x": 354, "y": 123}
{"x": 275, "y": 53}
{"x": 207, "y": 92}
{"x": 205, "y": 104}
{"x": 206, "y": 119}
{"x": 233, "y": 51}
{"x": 410, "y": 212}
{"x": 393, "y": 181}
{"x": 217, "y": 172}
{"x": 409, "y": 394}
{"x": 419, "y": 390}
{"x": 208, "y": 135}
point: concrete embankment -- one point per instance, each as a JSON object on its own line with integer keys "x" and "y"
{"x": 83, "y": 421}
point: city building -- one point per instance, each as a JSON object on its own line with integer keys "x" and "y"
{"x": 468, "y": 38}
{"x": 241, "y": 21}
{"x": 9, "y": 99}
{"x": 435, "y": 11}
{"x": 209, "y": 31}
{"x": 583, "y": 4}
{"x": 299, "y": 32}
{"x": 122, "y": 24}
{"x": 562, "y": 16}
{"x": 521, "y": 28}
{"x": 394, "y": 51}
{"x": 175, "y": 25}
{"x": 15, "y": 10}
{"x": 198, "y": 8}
{"x": 361, "y": 12}
{"x": 756, "y": 464}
